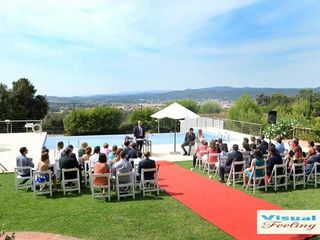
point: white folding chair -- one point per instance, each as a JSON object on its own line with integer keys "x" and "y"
{"x": 136, "y": 176}
{"x": 211, "y": 166}
{"x": 279, "y": 176}
{"x": 57, "y": 169}
{"x": 149, "y": 185}
{"x": 70, "y": 185}
{"x": 314, "y": 174}
{"x": 45, "y": 187}
{"x": 258, "y": 182}
{"x": 236, "y": 171}
{"x": 125, "y": 185}
{"x": 19, "y": 178}
{"x": 297, "y": 173}
{"x": 221, "y": 161}
{"x": 246, "y": 158}
{"x": 88, "y": 171}
{"x": 201, "y": 159}
{"x": 105, "y": 190}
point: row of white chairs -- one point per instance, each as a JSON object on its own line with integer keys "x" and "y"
{"x": 68, "y": 185}
{"x": 125, "y": 184}
{"x": 279, "y": 176}
{"x": 45, "y": 187}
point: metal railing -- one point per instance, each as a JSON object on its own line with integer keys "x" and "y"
{"x": 304, "y": 133}
{"x": 224, "y": 124}
{"x": 18, "y": 126}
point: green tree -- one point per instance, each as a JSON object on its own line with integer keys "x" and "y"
{"x": 4, "y": 102}
{"x": 245, "y": 109}
{"x": 145, "y": 116}
{"x": 24, "y": 103}
{"x": 210, "y": 107}
{"x": 53, "y": 122}
{"x": 263, "y": 100}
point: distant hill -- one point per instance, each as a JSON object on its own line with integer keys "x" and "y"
{"x": 221, "y": 93}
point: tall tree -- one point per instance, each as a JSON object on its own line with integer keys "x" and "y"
{"x": 23, "y": 102}
{"x": 245, "y": 109}
{"x": 4, "y": 102}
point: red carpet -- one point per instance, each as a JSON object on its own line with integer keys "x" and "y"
{"x": 231, "y": 210}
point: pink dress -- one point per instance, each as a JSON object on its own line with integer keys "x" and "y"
{"x": 213, "y": 157}
{"x": 101, "y": 168}
{"x": 201, "y": 150}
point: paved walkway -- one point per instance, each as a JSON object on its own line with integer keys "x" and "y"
{"x": 39, "y": 236}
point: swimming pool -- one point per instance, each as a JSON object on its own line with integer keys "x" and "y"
{"x": 98, "y": 140}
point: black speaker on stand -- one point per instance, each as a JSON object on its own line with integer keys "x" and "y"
{"x": 272, "y": 119}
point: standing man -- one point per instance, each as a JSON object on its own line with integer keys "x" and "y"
{"x": 139, "y": 134}
{"x": 188, "y": 141}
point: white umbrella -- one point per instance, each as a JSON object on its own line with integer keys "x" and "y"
{"x": 175, "y": 111}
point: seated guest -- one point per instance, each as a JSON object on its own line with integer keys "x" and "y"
{"x": 57, "y": 152}
{"x": 297, "y": 157}
{"x": 311, "y": 151}
{"x": 147, "y": 163}
{"x": 212, "y": 152}
{"x": 233, "y": 156}
{"x": 200, "y": 151}
{"x": 132, "y": 152}
{"x": 118, "y": 156}
{"x": 261, "y": 147}
{"x": 139, "y": 158}
{"x": 293, "y": 144}
{"x": 82, "y": 149}
{"x": 95, "y": 157}
{"x": 263, "y": 142}
{"x": 24, "y": 161}
{"x": 252, "y": 142}
{"x": 122, "y": 166}
{"x": 126, "y": 147}
{"x": 273, "y": 158}
{"x": 67, "y": 162}
{"x": 199, "y": 137}
{"x": 86, "y": 156}
{"x": 112, "y": 155}
{"x": 101, "y": 167}
{"x": 256, "y": 161}
{"x": 313, "y": 159}
{"x": 219, "y": 145}
{"x": 188, "y": 141}
{"x": 106, "y": 149}
{"x": 279, "y": 145}
{"x": 44, "y": 166}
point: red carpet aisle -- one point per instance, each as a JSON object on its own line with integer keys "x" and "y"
{"x": 229, "y": 209}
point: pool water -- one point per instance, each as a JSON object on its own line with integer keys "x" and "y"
{"x": 99, "y": 140}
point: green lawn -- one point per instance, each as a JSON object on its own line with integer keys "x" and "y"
{"x": 144, "y": 218}
{"x": 77, "y": 215}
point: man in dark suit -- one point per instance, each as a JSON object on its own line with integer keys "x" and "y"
{"x": 147, "y": 163}
{"x": 133, "y": 152}
{"x": 273, "y": 158}
{"x": 68, "y": 161}
{"x": 189, "y": 139}
{"x": 139, "y": 133}
{"x": 235, "y": 155}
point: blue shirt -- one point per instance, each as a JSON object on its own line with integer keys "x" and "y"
{"x": 280, "y": 148}
{"x": 23, "y": 161}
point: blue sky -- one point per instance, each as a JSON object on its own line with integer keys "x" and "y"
{"x": 80, "y": 47}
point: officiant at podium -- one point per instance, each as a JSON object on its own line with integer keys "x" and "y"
{"x": 139, "y": 133}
